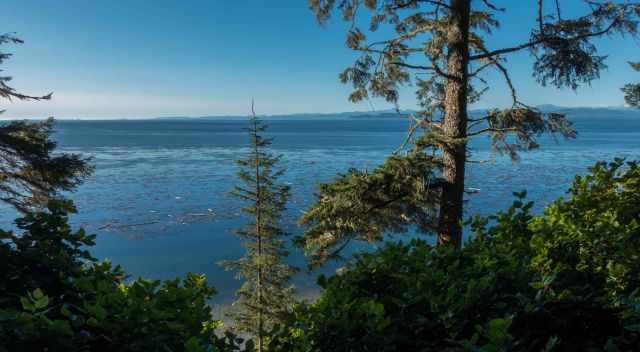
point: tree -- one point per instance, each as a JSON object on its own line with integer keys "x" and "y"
{"x": 440, "y": 47}
{"x": 30, "y": 171}
{"x": 266, "y": 296}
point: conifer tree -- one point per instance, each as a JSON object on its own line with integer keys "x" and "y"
{"x": 30, "y": 172}
{"x": 266, "y": 294}
{"x": 440, "y": 47}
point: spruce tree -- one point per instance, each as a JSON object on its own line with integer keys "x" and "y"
{"x": 31, "y": 172}
{"x": 266, "y": 295}
{"x": 440, "y": 47}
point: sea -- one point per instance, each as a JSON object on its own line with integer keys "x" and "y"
{"x": 158, "y": 200}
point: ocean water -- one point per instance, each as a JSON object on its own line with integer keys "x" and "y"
{"x": 158, "y": 199}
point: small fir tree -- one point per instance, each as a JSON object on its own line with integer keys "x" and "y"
{"x": 266, "y": 294}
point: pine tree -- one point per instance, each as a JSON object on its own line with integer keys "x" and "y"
{"x": 439, "y": 46}
{"x": 30, "y": 172}
{"x": 266, "y": 294}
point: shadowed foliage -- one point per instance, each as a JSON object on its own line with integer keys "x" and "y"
{"x": 55, "y": 297}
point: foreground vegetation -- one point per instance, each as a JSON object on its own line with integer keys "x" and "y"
{"x": 566, "y": 280}
{"x": 56, "y": 297}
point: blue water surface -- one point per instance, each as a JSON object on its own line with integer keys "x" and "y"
{"x": 158, "y": 202}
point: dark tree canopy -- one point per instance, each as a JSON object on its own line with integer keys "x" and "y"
{"x": 442, "y": 48}
{"x": 30, "y": 170}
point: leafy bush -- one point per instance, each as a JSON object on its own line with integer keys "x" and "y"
{"x": 56, "y": 297}
{"x": 566, "y": 280}
{"x": 592, "y": 239}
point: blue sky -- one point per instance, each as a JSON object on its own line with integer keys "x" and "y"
{"x": 111, "y": 59}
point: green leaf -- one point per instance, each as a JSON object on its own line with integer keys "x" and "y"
{"x": 92, "y": 322}
{"x": 65, "y": 311}
{"x": 27, "y": 305}
{"x": 37, "y": 294}
{"x": 551, "y": 344}
{"x": 42, "y": 302}
{"x": 193, "y": 345}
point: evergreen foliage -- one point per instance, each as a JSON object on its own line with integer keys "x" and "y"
{"x": 394, "y": 197}
{"x": 441, "y": 47}
{"x": 266, "y": 295}
{"x": 632, "y": 90}
{"x": 30, "y": 172}
{"x": 566, "y": 280}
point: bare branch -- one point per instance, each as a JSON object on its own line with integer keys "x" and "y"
{"x": 558, "y": 10}
{"x": 492, "y": 6}
{"x": 433, "y": 68}
{"x": 490, "y": 129}
{"x": 541, "y": 40}
{"x": 413, "y": 3}
{"x": 480, "y": 69}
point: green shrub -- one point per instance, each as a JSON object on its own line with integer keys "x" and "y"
{"x": 566, "y": 280}
{"x": 56, "y": 297}
{"x": 413, "y": 297}
{"x": 591, "y": 240}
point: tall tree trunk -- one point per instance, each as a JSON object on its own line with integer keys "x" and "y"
{"x": 455, "y": 125}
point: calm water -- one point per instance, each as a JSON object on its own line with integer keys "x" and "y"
{"x": 158, "y": 197}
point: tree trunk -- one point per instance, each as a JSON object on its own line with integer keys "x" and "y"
{"x": 455, "y": 125}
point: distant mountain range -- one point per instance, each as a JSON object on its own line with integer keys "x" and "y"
{"x": 337, "y": 115}
{"x": 572, "y": 112}
{"x": 587, "y": 112}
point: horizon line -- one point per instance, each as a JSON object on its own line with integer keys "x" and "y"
{"x": 361, "y": 112}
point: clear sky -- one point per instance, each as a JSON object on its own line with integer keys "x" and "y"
{"x": 111, "y": 59}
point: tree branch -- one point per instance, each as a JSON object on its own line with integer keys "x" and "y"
{"x": 492, "y": 6}
{"x": 542, "y": 40}
{"x": 433, "y": 68}
{"x": 491, "y": 129}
